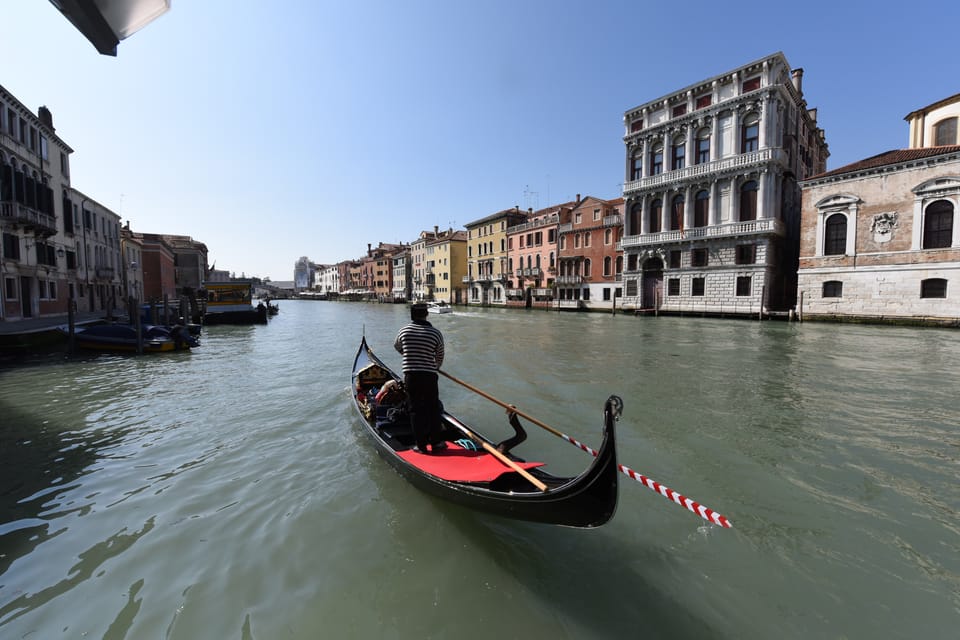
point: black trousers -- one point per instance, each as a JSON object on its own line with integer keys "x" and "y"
{"x": 424, "y": 398}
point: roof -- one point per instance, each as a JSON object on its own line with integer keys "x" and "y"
{"x": 931, "y": 107}
{"x": 896, "y": 156}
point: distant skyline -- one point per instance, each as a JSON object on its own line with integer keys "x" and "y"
{"x": 279, "y": 130}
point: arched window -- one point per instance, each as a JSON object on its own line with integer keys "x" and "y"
{"x": 635, "y": 212}
{"x": 538, "y": 261}
{"x": 835, "y": 235}
{"x": 552, "y": 263}
{"x": 586, "y": 268}
{"x": 607, "y": 236}
{"x": 636, "y": 165}
{"x": 750, "y": 133}
{"x": 656, "y": 160}
{"x": 703, "y": 145}
{"x": 748, "y": 201}
{"x": 945, "y": 132}
{"x": 619, "y": 264}
{"x": 653, "y": 218}
{"x": 701, "y": 209}
{"x": 938, "y": 225}
{"x": 678, "y": 155}
{"x": 606, "y": 265}
{"x": 676, "y": 214}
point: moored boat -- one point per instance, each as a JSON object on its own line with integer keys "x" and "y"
{"x": 123, "y": 338}
{"x": 477, "y": 473}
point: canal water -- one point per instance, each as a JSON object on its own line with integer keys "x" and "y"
{"x": 230, "y": 493}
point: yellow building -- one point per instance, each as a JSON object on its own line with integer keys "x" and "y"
{"x": 446, "y": 264}
{"x": 488, "y": 273}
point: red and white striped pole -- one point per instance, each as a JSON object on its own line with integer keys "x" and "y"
{"x": 691, "y": 505}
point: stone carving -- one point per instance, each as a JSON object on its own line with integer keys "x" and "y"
{"x": 882, "y": 226}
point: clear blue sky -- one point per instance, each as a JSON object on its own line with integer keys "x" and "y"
{"x": 274, "y": 130}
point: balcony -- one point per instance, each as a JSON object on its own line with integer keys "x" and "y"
{"x": 615, "y": 220}
{"x": 16, "y": 213}
{"x": 467, "y": 279}
{"x": 732, "y": 165}
{"x": 569, "y": 279}
{"x": 548, "y": 221}
{"x": 534, "y": 272}
{"x": 104, "y": 272}
{"x": 765, "y": 226}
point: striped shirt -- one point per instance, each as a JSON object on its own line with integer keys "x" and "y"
{"x": 422, "y": 347}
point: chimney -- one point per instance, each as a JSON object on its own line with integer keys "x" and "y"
{"x": 46, "y": 118}
{"x": 436, "y": 231}
{"x": 578, "y": 198}
{"x": 797, "y": 76}
{"x": 530, "y": 210}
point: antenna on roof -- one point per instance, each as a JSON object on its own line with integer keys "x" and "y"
{"x": 531, "y": 196}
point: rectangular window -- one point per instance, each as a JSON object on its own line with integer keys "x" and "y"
{"x": 751, "y": 85}
{"x": 679, "y": 153}
{"x": 746, "y": 254}
{"x": 704, "y": 101}
{"x": 596, "y": 214}
{"x": 833, "y": 289}
{"x": 933, "y": 288}
{"x": 675, "y": 259}
{"x": 696, "y": 286}
{"x": 606, "y": 293}
{"x": 751, "y": 138}
{"x": 679, "y": 110}
{"x": 699, "y": 258}
{"x": 631, "y": 286}
{"x": 636, "y": 125}
{"x": 703, "y": 150}
{"x": 578, "y": 217}
{"x": 10, "y": 288}
{"x": 743, "y": 285}
{"x": 673, "y": 287}
{"x": 656, "y": 163}
{"x": 11, "y": 246}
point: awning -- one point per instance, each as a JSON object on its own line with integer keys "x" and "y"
{"x": 106, "y": 22}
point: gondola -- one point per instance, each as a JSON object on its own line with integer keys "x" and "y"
{"x": 477, "y": 473}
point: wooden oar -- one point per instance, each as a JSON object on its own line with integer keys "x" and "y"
{"x": 495, "y": 452}
{"x": 707, "y": 514}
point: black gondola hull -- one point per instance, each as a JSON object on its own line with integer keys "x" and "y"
{"x": 586, "y": 500}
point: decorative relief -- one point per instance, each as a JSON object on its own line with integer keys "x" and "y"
{"x": 882, "y": 226}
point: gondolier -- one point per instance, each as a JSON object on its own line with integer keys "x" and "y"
{"x": 421, "y": 345}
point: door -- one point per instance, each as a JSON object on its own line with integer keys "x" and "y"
{"x": 26, "y": 297}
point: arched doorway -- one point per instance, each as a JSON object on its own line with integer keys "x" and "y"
{"x": 652, "y": 293}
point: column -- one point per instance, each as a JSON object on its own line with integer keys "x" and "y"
{"x": 665, "y": 211}
{"x": 714, "y": 213}
{"x": 688, "y": 204}
{"x": 644, "y": 224}
{"x": 764, "y": 111}
{"x": 764, "y": 210}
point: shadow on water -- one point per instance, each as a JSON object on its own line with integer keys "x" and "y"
{"x": 585, "y": 574}
{"x": 41, "y": 461}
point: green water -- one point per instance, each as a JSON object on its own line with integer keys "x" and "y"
{"x": 229, "y": 492}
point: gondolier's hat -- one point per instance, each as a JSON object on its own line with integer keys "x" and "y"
{"x": 418, "y": 310}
